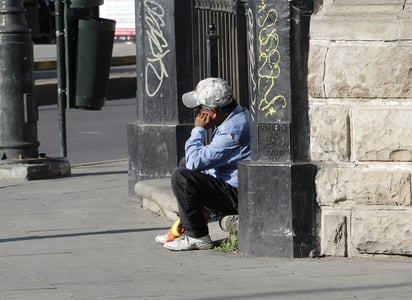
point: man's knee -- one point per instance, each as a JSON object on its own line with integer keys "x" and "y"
{"x": 180, "y": 175}
{"x": 185, "y": 179}
{"x": 183, "y": 183}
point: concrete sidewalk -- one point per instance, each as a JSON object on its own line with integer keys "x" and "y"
{"x": 80, "y": 237}
{"x": 122, "y": 82}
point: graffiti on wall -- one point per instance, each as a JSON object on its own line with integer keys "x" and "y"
{"x": 269, "y": 60}
{"x": 155, "y": 69}
{"x": 252, "y": 64}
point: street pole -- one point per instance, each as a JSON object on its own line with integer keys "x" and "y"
{"x": 19, "y": 147}
{"x": 18, "y": 107}
{"x": 61, "y": 74}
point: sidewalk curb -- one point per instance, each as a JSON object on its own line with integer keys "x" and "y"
{"x": 95, "y": 163}
{"x": 49, "y": 65}
{"x": 122, "y": 87}
{"x": 156, "y": 195}
{"x": 42, "y": 169}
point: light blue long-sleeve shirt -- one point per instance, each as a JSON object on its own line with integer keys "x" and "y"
{"x": 230, "y": 143}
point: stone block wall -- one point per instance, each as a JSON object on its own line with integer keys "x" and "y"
{"x": 360, "y": 98}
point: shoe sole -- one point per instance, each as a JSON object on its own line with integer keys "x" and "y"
{"x": 203, "y": 247}
{"x": 229, "y": 223}
{"x": 160, "y": 242}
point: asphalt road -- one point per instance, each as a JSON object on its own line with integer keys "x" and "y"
{"x": 92, "y": 136}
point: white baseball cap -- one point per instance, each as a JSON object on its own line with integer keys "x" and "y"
{"x": 210, "y": 92}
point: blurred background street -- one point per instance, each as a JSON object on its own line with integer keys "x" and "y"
{"x": 91, "y": 135}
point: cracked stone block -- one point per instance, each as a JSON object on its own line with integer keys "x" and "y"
{"x": 329, "y": 139}
{"x": 334, "y": 238}
{"x": 363, "y": 186}
{"x": 377, "y": 70}
{"x": 383, "y": 134}
{"x": 384, "y": 231}
{"x": 316, "y": 66}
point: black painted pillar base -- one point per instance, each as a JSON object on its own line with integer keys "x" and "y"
{"x": 163, "y": 53}
{"x": 34, "y": 169}
{"x": 276, "y": 209}
{"x": 154, "y": 150}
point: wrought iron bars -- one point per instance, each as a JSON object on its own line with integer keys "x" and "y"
{"x": 223, "y": 23}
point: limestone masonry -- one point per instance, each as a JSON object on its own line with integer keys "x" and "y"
{"x": 360, "y": 94}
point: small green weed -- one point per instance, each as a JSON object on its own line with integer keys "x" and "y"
{"x": 161, "y": 212}
{"x": 230, "y": 244}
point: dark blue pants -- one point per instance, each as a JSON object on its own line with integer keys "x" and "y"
{"x": 195, "y": 191}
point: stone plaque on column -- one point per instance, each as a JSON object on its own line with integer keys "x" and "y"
{"x": 276, "y": 194}
{"x": 163, "y": 52}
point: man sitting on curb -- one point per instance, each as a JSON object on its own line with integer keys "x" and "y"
{"x": 210, "y": 177}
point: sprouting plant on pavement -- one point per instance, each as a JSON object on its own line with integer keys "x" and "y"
{"x": 231, "y": 243}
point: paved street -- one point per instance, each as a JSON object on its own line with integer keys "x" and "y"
{"x": 91, "y": 135}
{"x": 82, "y": 238}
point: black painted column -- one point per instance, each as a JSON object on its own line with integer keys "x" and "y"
{"x": 164, "y": 73}
{"x": 18, "y": 106}
{"x": 276, "y": 189}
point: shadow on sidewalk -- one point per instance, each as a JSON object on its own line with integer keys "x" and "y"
{"x": 98, "y": 173}
{"x": 54, "y": 236}
{"x": 306, "y": 292}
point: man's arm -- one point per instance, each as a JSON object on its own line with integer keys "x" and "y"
{"x": 202, "y": 157}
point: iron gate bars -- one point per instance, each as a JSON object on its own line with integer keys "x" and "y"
{"x": 219, "y": 43}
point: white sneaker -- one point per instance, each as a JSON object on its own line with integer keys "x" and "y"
{"x": 186, "y": 242}
{"x": 229, "y": 223}
{"x": 161, "y": 239}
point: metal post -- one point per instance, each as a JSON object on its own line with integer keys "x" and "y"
{"x": 61, "y": 75}
{"x": 212, "y": 59}
{"x": 18, "y": 107}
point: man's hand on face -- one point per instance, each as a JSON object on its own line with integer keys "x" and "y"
{"x": 204, "y": 119}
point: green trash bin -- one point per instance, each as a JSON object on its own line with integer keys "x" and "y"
{"x": 95, "y": 38}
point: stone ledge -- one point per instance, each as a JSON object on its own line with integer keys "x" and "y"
{"x": 37, "y": 169}
{"x": 156, "y": 195}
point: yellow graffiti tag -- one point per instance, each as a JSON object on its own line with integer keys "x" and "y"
{"x": 269, "y": 59}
